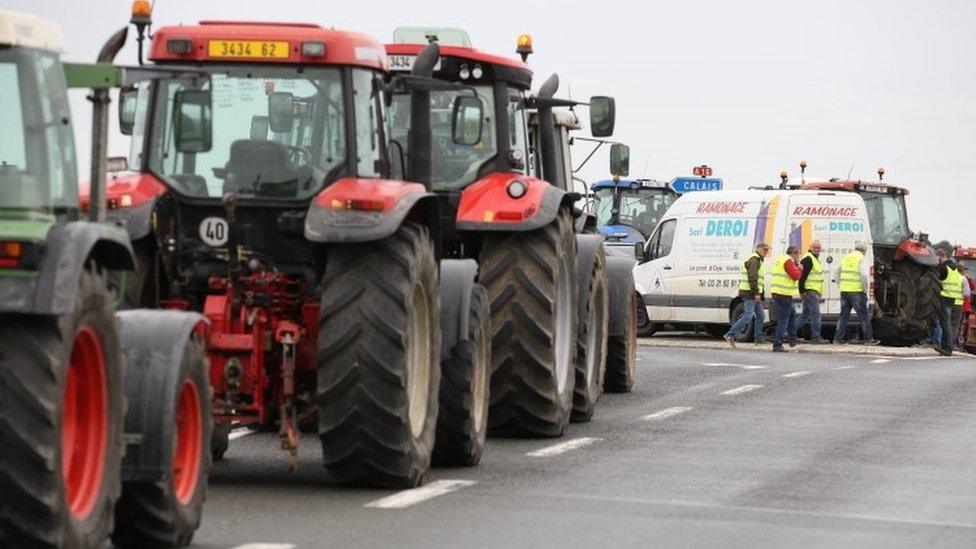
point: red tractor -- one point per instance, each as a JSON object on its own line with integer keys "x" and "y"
{"x": 967, "y": 257}
{"x": 467, "y": 140}
{"x": 907, "y": 285}
{"x": 265, "y": 197}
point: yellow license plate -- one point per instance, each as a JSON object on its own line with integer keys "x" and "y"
{"x": 254, "y": 49}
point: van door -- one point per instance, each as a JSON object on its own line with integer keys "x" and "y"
{"x": 658, "y": 273}
{"x": 837, "y": 220}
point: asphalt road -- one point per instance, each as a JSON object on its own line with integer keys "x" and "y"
{"x": 713, "y": 448}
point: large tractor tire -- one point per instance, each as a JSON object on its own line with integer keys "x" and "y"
{"x": 591, "y": 341}
{"x": 220, "y": 441}
{"x": 918, "y": 291}
{"x": 531, "y": 282}
{"x": 167, "y": 512}
{"x": 462, "y": 422}
{"x": 61, "y": 422}
{"x": 379, "y": 360}
{"x": 622, "y": 354}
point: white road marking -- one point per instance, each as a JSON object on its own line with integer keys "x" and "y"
{"x": 743, "y": 366}
{"x": 667, "y": 412}
{"x": 241, "y": 433}
{"x": 929, "y": 357}
{"x": 741, "y": 390}
{"x": 265, "y": 546}
{"x": 414, "y": 496}
{"x": 801, "y": 373}
{"x": 843, "y": 367}
{"x": 880, "y": 361}
{"x": 563, "y": 447}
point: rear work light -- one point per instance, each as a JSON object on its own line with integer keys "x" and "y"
{"x": 313, "y": 49}
{"x": 179, "y": 46}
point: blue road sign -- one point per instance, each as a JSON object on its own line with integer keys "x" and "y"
{"x": 682, "y": 185}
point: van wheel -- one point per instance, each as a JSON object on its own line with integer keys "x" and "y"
{"x": 746, "y": 334}
{"x": 645, "y": 328}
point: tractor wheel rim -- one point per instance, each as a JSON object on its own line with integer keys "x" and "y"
{"x": 188, "y": 443}
{"x": 480, "y": 393}
{"x": 418, "y": 360}
{"x": 565, "y": 339}
{"x": 84, "y": 423}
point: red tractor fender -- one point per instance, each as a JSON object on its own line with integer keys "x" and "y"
{"x": 917, "y": 251}
{"x": 487, "y": 205}
{"x": 131, "y": 197}
{"x": 362, "y": 210}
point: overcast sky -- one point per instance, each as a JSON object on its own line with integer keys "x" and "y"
{"x": 748, "y": 87}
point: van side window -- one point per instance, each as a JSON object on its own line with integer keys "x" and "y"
{"x": 663, "y": 239}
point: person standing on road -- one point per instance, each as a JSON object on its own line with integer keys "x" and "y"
{"x": 752, "y": 280}
{"x": 950, "y": 313}
{"x": 854, "y": 283}
{"x": 786, "y": 275}
{"x": 811, "y": 289}
{"x": 967, "y": 307}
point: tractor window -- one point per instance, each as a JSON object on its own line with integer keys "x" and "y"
{"x": 369, "y": 137}
{"x": 289, "y": 151}
{"x": 887, "y": 216}
{"x": 37, "y": 156}
{"x": 454, "y": 166}
{"x": 604, "y": 207}
{"x": 518, "y": 139}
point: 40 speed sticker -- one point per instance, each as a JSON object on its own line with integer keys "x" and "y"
{"x": 213, "y": 231}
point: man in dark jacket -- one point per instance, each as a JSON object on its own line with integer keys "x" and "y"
{"x": 752, "y": 281}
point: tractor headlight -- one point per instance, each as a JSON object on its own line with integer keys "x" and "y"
{"x": 516, "y": 189}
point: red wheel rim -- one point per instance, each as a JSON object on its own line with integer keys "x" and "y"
{"x": 84, "y": 423}
{"x": 186, "y": 453}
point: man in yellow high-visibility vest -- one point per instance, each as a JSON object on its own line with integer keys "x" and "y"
{"x": 811, "y": 290}
{"x": 950, "y": 314}
{"x": 752, "y": 280}
{"x": 786, "y": 274}
{"x": 854, "y": 285}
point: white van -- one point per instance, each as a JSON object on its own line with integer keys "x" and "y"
{"x": 691, "y": 270}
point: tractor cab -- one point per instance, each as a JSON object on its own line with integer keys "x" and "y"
{"x": 967, "y": 257}
{"x": 885, "y": 206}
{"x": 627, "y": 211}
{"x": 37, "y": 156}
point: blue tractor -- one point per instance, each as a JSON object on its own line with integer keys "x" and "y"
{"x": 628, "y": 210}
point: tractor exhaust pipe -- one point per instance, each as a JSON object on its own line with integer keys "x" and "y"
{"x": 547, "y": 126}
{"x": 420, "y": 139}
{"x": 100, "y": 99}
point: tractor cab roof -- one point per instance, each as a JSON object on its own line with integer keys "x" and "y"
{"x": 454, "y": 58}
{"x": 272, "y": 43}
{"x": 853, "y": 186}
{"x": 632, "y": 184}
{"x": 28, "y": 31}
{"x": 964, "y": 253}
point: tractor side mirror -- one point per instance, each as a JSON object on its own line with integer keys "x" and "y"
{"x": 281, "y": 111}
{"x": 467, "y": 122}
{"x": 193, "y": 124}
{"x": 619, "y": 160}
{"x": 603, "y": 114}
{"x": 127, "y": 110}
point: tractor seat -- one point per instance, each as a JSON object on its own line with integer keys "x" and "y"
{"x": 260, "y": 168}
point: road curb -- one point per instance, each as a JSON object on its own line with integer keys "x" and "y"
{"x": 702, "y": 342}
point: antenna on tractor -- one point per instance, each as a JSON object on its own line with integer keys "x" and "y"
{"x": 647, "y": 160}
{"x": 850, "y": 172}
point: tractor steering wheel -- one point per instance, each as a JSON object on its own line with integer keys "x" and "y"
{"x": 298, "y": 156}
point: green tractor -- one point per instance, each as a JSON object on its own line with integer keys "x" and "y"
{"x": 104, "y": 416}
